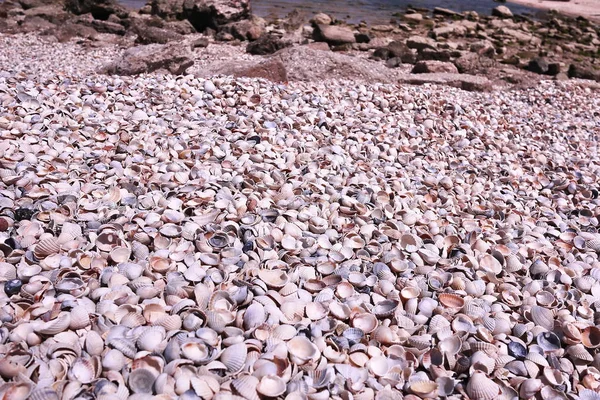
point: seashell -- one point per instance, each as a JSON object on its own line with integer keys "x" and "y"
{"x": 517, "y": 350}
{"x": 79, "y": 318}
{"x": 543, "y": 317}
{"x": 271, "y": 386}
{"x": 273, "y": 278}
{"x": 120, "y": 254}
{"x": 480, "y": 387}
{"x": 55, "y": 326}
{"x": 450, "y": 345}
{"x": 46, "y": 247}
{"x": 125, "y": 346}
{"x": 83, "y": 370}
{"x": 113, "y": 360}
{"x": 489, "y": 263}
{"x": 423, "y": 389}
{"x": 529, "y": 388}
{"x": 151, "y": 338}
{"x": 234, "y": 357}
{"x": 94, "y": 344}
{"x": 548, "y": 341}
{"x": 141, "y": 380}
{"x": 537, "y": 358}
{"x": 579, "y": 352}
{"x": 246, "y": 386}
{"x": 354, "y": 334}
{"x": 254, "y": 316}
{"x": 451, "y": 300}
{"x": 302, "y": 350}
{"x": 590, "y": 337}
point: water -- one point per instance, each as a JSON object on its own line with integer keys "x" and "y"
{"x": 371, "y": 11}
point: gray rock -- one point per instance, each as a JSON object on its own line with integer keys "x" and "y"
{"x": 202, "y": 14}
{"x": 452, "y": 29}
{"x": 267, "y": 44}
{"x": 432, "y": 67}
{"x": 321, "y": 19}
{"x": 413, "y": 17}
{"x": 445, "y": 11}
{"x": 538, "y": 65}
{"x": 484, "y": 48}
{"x": 108, "y": 27}
{"x": 502, "y": 12}
{"x": 152, "y": 34}
{"x": 420, "y": 43}
{"x": 400, "y": 50}
{"x": 584, "y": 72}
{"x": 462, "y": 81}
{"x": 248, "y": 29}
{"x": 173, "y": 57}
{"x": 334, "y": 35}
{"x": 100, "y": 9}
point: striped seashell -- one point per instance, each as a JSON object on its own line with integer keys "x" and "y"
{"x": 480, "y": 387}
{"x": 132, "y": 320}
{"x": 537, "y": 358}
{"x": 169, "y": 322}
{"x": 46, "y": 247}
{"x": 420, "y": 342}
{"x": 543, "y": 317}
{"x": 246, "y": 386}
{"x": 579, "y": 352}
{"x": 480, "y": 361}
{"x": 57, "y": 325}
{"x": 151, "y": 338}
{"x": 438, "y": 322}
{"x": 533, "y": 370}
{"x": 125, "y": 346}
{"x": 80, "y": 318}
{"x": 503, "y": 359}
{"x": 513, "y": 264}
{"x": 593, "y": 244}
{"x": 234, "y": 357}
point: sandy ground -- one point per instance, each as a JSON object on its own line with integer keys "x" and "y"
{"x": 587, "y": 8}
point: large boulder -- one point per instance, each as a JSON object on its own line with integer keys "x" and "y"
{"x": 421, "y": 42}
{"x": 584, "y": 72}
{"x": 52, "y": 13}
{"x": 502, "y": 12}
{"x": 462, "y": 81}
{"x": 334, "y": 35}
{"x": 152, "y": 34}
{"x": 267, "y": 44}
{"x": 432, "y": 67}
{"x": 173, "y": 57}
{"x": 100, "y": 9}
{"x": 202, "y": 13}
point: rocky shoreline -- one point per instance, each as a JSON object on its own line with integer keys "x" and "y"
{"x": 457, "y": 47}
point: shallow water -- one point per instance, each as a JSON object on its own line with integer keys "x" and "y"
{"x": 371, "y": 11}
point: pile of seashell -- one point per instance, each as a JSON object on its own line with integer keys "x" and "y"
{"x": 234, "y": 238}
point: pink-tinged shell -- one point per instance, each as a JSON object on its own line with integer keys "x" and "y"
{"x": 480, "y": 387}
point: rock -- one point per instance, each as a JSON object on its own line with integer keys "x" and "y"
{"x": 452, "y": 29}
{"x": 272, "y": 70}
{"x": 432, "y": 66}
{"x": 65, "y": 32}
{"x": 462, "y": 81}
{"x": 362, "y": 38}
{"x": 182, "y": 27}
{"x": 393, "y": 62}
{"x": 436, "y": 55}
{"x": 152, "y": 34}
{"x": 538, "y": 65}
{"x": 502, "y": 12}
{"x": 267, "y": 44}
{"x": 51, "y": 13}
{"x": 483, "y": 48}
{"x": 420, "y": 43}
{"x": 246, "y": 29}
{"x": 331, "y": 65}
{"x": 334, "y": 35}
{"x": 413, "y": 17}
{"x": 382, "y": 53}
{"x": 382, "y": 28}
{"x": 27, "y": 4}
{"x": 473, "y": 63}
{"x": 100, "y": 9}
{"x": 520, "y": 36}
{"x": 555, "y": 68}
{"x": 173, "y": 57}
{"x": 202, "y": 14}
{"x": 583, "y": 72}
{"x": 199, "y": 43}
{"x": 402, "y": 51}
{"x": 322, "y": 46}
{"x": 294, "y": 20}
{"x": 36, "y": 24}
{"x": 445, "y": 11}
{"x": 108, "y": 27}
{"x": 321, "y": 19}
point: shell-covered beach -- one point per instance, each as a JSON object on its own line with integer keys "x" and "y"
{"x": 176, "y": 236}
